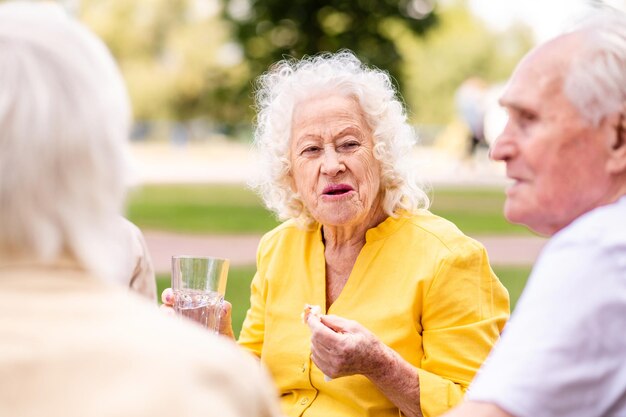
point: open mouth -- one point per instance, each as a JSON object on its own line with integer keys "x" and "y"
{"x": 337, "y": 189}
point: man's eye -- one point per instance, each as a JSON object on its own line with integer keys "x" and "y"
{"x": 523, "y": 119}
{"x": 527, "y": 116}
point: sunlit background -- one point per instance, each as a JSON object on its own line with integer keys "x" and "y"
{"x": 190, "y": 65}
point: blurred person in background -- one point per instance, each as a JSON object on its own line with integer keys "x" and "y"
{"x": 495, "y": 116}
{"x": 75, "y": 341}
{"x": 564, "y": 351}
{"x": 471, "y": 105}
{"x": 408, "y": 305}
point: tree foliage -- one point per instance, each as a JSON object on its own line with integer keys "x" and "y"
{"x": 429, "y": 54}
{"x": 270, "y": 30}
{"x": 460, "y": 47}
{"x": 186, "y": 59}
{"x": 173, "y": 54}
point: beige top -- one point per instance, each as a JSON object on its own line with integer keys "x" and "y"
{"x": 73, "y": 346}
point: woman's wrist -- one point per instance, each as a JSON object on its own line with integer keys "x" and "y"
{"x": 383, "y": 362}
{"x": 396, "y": 378}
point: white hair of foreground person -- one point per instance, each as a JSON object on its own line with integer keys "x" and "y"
{"x": 64, "y": 123}
{"x": 596, "y": 82}
{"x": 290, "y": 82}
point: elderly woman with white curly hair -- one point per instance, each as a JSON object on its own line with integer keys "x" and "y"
{"x": 409, "y": 306}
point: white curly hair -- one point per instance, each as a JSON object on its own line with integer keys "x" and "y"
{"x": 291, "y": 81}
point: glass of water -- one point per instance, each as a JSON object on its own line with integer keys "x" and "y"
{"x": 199, "y": 285}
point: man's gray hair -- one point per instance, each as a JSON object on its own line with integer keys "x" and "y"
{"x": 64, "y": 122}
{"x": 288, "y": 83}
{"x": 596, "y": 82}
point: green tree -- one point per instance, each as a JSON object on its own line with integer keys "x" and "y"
{"x": 175, "y": 53}
{"x": 269, "y": 30}
{"x": 461, "y": 46}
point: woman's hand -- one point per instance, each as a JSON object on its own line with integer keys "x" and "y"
{"x": 341, "y": 347}
{"x": 225, "y": 326}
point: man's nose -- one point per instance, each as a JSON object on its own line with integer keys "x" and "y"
{"x": 504, "y": 146}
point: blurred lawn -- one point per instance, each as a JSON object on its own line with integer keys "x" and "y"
{"x": 514, "y": 279}
{"x": 217, "y": 209}
{"x": 476, "y": 211}
{"x": 226, "y": 209}
{"x": 238, "y": 288}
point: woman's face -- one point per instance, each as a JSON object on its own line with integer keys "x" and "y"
{"x": 333, "y": 168}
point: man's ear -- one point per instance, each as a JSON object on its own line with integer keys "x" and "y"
{"x": 617, "y": 145}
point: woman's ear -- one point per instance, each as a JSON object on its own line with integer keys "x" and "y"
{"x": 292, "y": 183}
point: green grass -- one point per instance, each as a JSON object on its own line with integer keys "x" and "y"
{"x": 226, "y": 209}
{"x": 238, "y": 288}
{"x": 475, "y": 210}
{"x": 514, "y": 279}
{"x": 217, "y": 209}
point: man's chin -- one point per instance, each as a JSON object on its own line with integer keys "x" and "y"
{"x": 513, "y": 213}
{"x": 528, "y": 219}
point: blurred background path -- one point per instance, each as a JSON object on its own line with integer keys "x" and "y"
{"x": 241, "y": 250}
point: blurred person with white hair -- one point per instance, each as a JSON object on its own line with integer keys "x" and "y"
{"x": 406, "y": 306}
{"x": 75, "y": 341}
{"x": 564, "y": 351}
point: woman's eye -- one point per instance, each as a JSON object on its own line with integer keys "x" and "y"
{"x": 310, "y": 150}
{"x": 350, "y": 145}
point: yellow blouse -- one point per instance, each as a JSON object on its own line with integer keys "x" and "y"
{"x": 423, "y": 287}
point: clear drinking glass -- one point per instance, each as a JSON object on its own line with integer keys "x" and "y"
{"x": 199, "y": 285}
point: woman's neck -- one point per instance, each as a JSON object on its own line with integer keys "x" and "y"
{"x": 351, "y": 235}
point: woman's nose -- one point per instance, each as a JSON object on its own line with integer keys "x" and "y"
{"x": 332, "y": 163}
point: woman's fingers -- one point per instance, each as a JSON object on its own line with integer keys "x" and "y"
{"x": 341, "y": 347}
{"x": 340, "y": 324}
{"x": 226, "y": 326}
{"x": 167, "y": 297}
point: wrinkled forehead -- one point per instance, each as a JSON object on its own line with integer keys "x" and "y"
{"x": 327, "y": 106}
{"x": 326, "y": 113}
{"x": 327, "y": 100}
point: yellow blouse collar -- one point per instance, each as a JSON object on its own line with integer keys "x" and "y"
{"x": 384, "y": 229}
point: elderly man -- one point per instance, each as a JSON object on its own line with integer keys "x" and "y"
{"x": 564, "y": 351}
